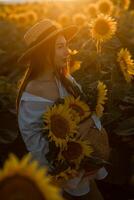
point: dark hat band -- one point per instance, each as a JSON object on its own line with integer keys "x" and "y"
{"x": 43, "y": 35}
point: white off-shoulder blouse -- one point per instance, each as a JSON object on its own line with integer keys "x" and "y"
{"x": 31, "y": 108}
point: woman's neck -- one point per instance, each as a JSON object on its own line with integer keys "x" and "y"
{"x": 47, "y": 75}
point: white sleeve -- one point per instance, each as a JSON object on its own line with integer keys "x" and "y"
{"x": 30, "y": 125}
{"x": 101, "y": 174}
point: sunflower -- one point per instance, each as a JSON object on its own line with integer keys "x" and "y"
{"x": 74, "y": 65}
{"x": 105, "y": 7}
{"x": 12, "y": 17}
{"x": 124, "y": 4}
{"x": 92, "y": 10}
{"x": 75, "y": 152}
{"x": 25, "y": 180}
{"x": 102, "y": 29}
{"x": 2, "y": 16}
{"x": 22, "y": 20}
{"x": 72, "y": 52}
{"x": 66, "y": 175}
{"x": 31, "y": 16}
{"x": 102, "y": 92}
{"x": 64, "y": 19}
{"x": 80, "y": 109}
{"x": 58, "y": 120}
{"x": 126, "y": 64}
{"x": 79, "y": 19}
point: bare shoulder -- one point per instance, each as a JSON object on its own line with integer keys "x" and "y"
{"x": 45, "y": 90}
{"x": 32, "y": 87}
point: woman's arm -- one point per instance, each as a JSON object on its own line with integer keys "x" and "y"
{"x": 84, "y": 128}
{"x": 30, "y": 125}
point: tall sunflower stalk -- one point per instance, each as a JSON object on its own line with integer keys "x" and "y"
{"x": 102, "y": 29}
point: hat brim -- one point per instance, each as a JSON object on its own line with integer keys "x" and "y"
{"x": 69, "y": 33}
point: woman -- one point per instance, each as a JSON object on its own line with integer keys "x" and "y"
{"x": 43, "y": 83}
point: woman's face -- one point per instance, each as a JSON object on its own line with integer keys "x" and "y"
{"x": 61, "y": 51}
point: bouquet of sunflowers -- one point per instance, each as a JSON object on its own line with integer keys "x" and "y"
{"x": 69, "y": 154}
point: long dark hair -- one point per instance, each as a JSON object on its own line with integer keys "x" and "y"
{"x": 42, "y": 56}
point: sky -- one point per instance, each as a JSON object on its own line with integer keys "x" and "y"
{"x": 21, "y": 1}
{"x": 12, "y": 1}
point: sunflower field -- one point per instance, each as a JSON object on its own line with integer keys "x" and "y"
{"x": 102, "y": 57}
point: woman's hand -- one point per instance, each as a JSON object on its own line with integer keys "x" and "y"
{"x": 74, "y": 181}
{"x": 72, "y": 185}
{"x": 84, "y": 128}
{"x": 90, "y": 174}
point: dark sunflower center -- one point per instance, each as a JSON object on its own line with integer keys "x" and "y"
{"x": 78, "y": 109}
{"x": 59, "y": 126}
{"x": 19, "y": 188}
{"x": 80, "y": 20}
{"x": 104, "y": 8}
{"x": 102, "y": 27}
{"x": 74, "y": 150}
{"x": 22, "y": 19}
{"x": 92, "y": 11}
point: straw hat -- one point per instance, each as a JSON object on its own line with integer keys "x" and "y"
{"x": 42, "y": 32}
